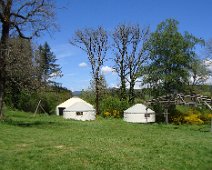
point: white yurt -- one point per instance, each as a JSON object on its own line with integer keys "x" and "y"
{"x": 76, "y": 108}
{"x": 139, "y": 113}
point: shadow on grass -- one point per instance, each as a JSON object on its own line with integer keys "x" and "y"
{"x": 26, "y": 123}
{"x": 203, "y": 129}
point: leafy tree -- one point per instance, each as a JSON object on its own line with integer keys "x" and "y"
{"x": 130, "y": 57}
{"x": 19, "y": 79}
{"x": 26, "y": 19}
{"x": 199, "y": 73}
{"x": 171, "y": 54}
{"x": 209, "y": 55}
{"x": 95, "y": 43}
{"x": 47, "y": 66}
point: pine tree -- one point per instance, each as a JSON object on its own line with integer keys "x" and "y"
{"x": 48, "y": 69}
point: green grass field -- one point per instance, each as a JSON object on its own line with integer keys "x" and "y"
{"x": 44, "y": 142}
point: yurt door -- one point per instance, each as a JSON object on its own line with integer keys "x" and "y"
{"x": 61, "y": 110}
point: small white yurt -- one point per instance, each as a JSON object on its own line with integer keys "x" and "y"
{"x": 76, "y": 108}
{"x": 139, "y": 113}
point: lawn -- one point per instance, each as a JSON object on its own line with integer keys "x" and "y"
{"x": 50, "y": 142}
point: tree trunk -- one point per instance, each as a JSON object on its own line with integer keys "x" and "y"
{"x": 2, "y": 88}
{"x": 123, "y": 89}
{"x": 4, "y": 52}
{"x": 123, "y": 95}
{"x": 3, "y": 55}
{"x": 97, "y": 97}
{"x": 132, "y": 92}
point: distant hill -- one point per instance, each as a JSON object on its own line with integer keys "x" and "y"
{"x": 76, "y": 93}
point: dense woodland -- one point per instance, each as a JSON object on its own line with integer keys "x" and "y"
{"x": 164, "y": 61}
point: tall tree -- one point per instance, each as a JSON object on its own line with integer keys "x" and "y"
{"x": 121, "y": 37}
{"x": 95, "y": 43}
{"x": 171, "y": 54}
{"x": 18, "y": 79}
{"x": 26, "y": 18}
{"x": 131, "y": 55}
{"x": 48, "y": 68}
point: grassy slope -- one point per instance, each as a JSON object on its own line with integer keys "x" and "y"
{"x": 44, "y": 142}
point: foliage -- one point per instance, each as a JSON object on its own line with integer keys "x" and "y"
{"x": 46, "y": 63}
{"x": 20, "y": 67}
{"x": 114, "y": 114}
{"x": 50, "y": 142}
{"x": 199, "y": 73}
{"x": 88, "y": 96}
{"x": 184, "y": 114}
{"x": 193, "y": 119}
{"x": 112, "y": 106}
{"x": 171, "y": 54}
{"x": 28, "y": 101}
{"x": 24, "y": 87}
{"x": 24, "y": 19}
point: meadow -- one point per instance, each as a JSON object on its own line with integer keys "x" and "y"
{"x": 50, "y": 142}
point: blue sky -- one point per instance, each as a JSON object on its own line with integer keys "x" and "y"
{"x": 195, "y": 16}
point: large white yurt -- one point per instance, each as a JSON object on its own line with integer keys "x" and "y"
{"x": 139, "y": 113}
{"x": 76, "y": 108}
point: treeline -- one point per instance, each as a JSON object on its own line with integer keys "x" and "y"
{"x": 164, "y": 61}
{"x": 20, "y": 22}
{"x": 30, "y": 73}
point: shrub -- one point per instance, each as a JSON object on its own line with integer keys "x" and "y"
{"x": 188, "y": 115}
{"x": 106, "y": 114}
{"x": 114, "y": 113}
{"x": 28, "y": 101}
{"x": 112, "y": 106}
{"x": 193, "y": 119}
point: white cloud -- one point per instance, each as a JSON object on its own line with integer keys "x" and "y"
{"x": 107, "y": 70}
{"x": 83, "y": 64}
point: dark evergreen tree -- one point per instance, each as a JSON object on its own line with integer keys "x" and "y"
{"x": 48, "y": 69}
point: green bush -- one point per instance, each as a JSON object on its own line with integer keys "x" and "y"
{"x": 185, "y": 114}
{"x": 113, "y": 107}
{"x": 28, "y": 101}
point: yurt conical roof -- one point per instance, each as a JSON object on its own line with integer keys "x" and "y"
{"x": 79, "y": 107}
{"x": 72, "y": 101}
{"x": 139, "y": 108}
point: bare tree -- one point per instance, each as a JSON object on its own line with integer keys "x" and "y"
{"x": 26, "y": 19}
{"x": 131, "y": 55}
{"x": 95, "y": 43}
{"x": 121, "y": 37}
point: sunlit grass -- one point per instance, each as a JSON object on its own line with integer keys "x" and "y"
{"x": 50, "y": 142}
